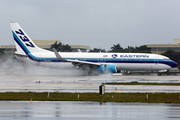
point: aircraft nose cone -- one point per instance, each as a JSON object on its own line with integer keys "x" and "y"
{"x": 174, "y": 64}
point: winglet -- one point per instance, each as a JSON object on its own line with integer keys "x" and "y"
{"x": 57, "y": 55}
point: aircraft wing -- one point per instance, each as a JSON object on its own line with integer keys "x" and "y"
{"x": 84, "y": 63}
{"x": 77, "y": 62}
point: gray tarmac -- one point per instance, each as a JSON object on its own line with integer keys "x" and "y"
{"x": 55, "y": 83}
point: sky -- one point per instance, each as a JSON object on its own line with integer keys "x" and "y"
{"x": 94, "y": 23}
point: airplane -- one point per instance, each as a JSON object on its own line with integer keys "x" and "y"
{"x": 27, "y": 51}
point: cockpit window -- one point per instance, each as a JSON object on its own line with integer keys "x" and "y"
{"x": 166, "y": 59}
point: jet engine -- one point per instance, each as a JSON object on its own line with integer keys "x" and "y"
{"x": 108, "y": 68}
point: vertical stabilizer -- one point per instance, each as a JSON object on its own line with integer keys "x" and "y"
{"x": 23, "y": 42}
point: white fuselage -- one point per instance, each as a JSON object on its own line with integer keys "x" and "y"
{"x": 123, "y": 61}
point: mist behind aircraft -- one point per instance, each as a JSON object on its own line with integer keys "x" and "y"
{"x": 11, "y": 66}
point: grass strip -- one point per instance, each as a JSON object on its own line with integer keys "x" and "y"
{"x": 108, "y": 97}
{"x": 138, "y": 83}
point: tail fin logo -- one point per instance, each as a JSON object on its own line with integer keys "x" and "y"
{"x": 24, "y": 38}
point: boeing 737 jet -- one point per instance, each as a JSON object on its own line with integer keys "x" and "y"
{"x": 101, "y": 62}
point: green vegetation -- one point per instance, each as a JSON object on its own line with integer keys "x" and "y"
{"x": 117, "y": 48}
{"x": 1, "y": 51}
{"x": 140, "y": 49}
{"x": 137, "y": 83}
{"x": 97, "y": 50}
{"x": 61, "y": 47}
{"x": 108, "y": 97}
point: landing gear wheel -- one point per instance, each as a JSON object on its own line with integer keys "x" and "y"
{"x": 159, "y": 74}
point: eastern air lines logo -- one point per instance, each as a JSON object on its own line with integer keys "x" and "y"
{"x": 114, "y": 55}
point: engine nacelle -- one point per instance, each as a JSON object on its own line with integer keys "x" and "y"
{"x": 108, "y": 68}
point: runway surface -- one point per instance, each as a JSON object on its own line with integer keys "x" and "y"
{"x": 84, "y": 83}
{"x": 68, "y": 110}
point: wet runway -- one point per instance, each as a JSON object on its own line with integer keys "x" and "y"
{"x": 87, "y": 110}
{"x": 64, "y": 110}
{"x": 84, "y": 83}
